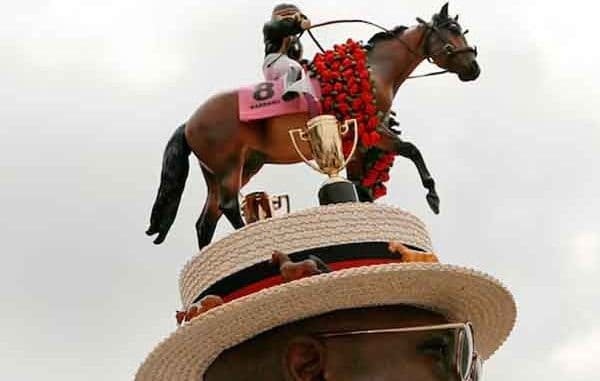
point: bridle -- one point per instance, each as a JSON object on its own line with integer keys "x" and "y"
{"x": 449, "y": 49}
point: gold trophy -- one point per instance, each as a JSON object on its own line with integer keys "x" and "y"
{"x": 259, "y": 206}
{"x": 323, "y": 133}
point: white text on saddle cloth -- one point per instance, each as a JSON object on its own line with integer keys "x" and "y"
{"x": 263, "y": 100}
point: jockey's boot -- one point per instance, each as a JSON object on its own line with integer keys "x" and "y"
{"x": 289, "y": 95}
{"x": 293, "y": 75}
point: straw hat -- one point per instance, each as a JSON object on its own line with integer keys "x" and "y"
{"x": 353, "y": 240}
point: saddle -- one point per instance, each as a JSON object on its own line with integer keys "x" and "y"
{"x": 264, "y": 100}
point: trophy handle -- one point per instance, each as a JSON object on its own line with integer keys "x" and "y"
{"x": 277, "y": 204}
{"x": 287, "y": 201}
{"x": 304, "y": 138}
{"x": 344, "y": 130}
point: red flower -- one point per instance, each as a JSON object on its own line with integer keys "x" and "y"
{"x": 370, "y": 109}
{"x": 373, "y": 122}
{"x": 380, "y": 165}
{"x": 361, "y": 128}
{"x": 365, "y": 139}
{"x": 366, "y": 182}
{"x": 367, "y": 97}
{"x": 341, "y": 49}
{"x": 379, "y": 191}
{"x": 373, "y": 173}
{"x": 359, "y": 54}
{"x": 326, "y": 88}
{"x": 370, "y": 179}
{"x": 374, "y": 137}
{"x": 343, "y": 72}
{"x": 343, "y": 108}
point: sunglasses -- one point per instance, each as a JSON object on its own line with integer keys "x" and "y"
{"x": 467, "y": 363}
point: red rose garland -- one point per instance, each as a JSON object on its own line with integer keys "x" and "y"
{"x": 348, "y": 92}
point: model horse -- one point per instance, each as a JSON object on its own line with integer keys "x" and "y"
{"x": 231, "y": 152}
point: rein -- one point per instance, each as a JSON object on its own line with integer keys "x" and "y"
{"x": 357, "y": 21}
{"x": 448, "y": 48}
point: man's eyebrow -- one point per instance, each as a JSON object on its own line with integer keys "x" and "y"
{"x": 435, "y": 343}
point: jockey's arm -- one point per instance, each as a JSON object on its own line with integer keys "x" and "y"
{"x": 276, "y": 31}
{"x": 282, "y": 28}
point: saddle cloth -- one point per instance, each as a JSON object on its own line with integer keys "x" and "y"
{"x": 263, "y": 100}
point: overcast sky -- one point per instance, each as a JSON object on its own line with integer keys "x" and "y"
{"x": 90, "y": 91}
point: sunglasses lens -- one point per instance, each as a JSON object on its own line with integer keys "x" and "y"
{"x": 465, "y": 352}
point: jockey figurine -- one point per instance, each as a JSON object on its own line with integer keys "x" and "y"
{"x": 283, "y": 50}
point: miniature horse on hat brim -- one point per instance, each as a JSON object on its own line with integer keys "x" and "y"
{"x": 231, "y": 152}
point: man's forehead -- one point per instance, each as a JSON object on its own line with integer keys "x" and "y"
{"x": 396, "y": 316}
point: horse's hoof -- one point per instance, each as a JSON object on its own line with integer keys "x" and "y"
{"x": 161, "y": 237}
{"x": 434, "y": 202}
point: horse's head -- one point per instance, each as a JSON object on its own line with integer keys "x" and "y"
{"x": 445, "y": 45}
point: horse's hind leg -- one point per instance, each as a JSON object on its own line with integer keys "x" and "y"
{"x": 207, "y": 222}
{"x": 229, "y": 191}
{"x": 410, "y": 151}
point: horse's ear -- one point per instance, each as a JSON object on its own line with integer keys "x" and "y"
{"x": 456, "y": 18}
{"x": 444, "y": 11}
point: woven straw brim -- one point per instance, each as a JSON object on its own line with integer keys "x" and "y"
{"x": 323, "y": 226}
{"x": 459, "y": 293}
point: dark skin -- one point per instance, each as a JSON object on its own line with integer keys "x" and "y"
{"x": 294, "y": 353}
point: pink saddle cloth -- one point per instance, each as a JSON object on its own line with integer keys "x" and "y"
{"x": 263, "y": 100}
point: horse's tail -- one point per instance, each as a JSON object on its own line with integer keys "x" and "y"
{"x": 175, "y": 168}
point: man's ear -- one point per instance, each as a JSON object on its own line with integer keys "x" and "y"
{"x": 304, "y": 359}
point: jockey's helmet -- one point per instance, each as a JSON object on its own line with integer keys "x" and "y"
{"x": 284, "y": 10}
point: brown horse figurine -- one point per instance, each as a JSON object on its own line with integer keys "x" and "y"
{"x": 231, "y": 152}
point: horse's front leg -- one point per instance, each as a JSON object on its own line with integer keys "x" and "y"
{"x": 410, "y": 151}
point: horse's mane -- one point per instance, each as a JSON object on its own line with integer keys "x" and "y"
{"x": 384, "y": 36}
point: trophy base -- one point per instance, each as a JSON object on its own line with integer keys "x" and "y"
{"x": 337, "y": 192}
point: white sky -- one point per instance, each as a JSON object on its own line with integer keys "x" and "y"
{"x": 91, "y": 91}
